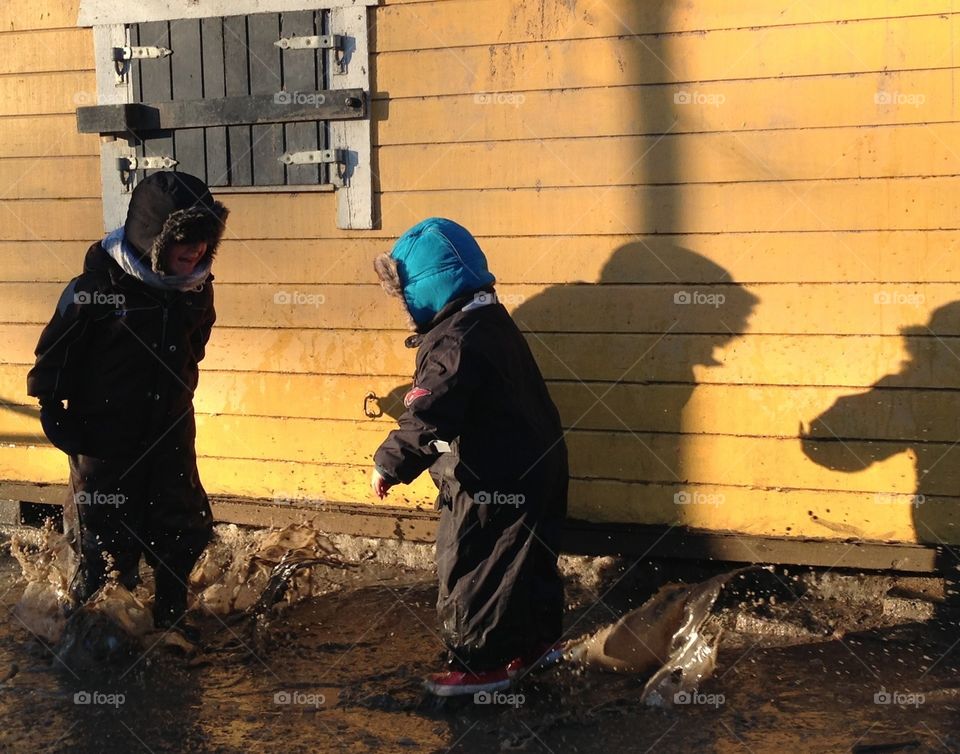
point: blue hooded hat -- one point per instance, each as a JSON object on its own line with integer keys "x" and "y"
{"x": 438, "y": 261}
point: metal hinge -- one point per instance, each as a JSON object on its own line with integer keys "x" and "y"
{"x": 123, "y": 56}
{"x": 317, "y": 42}
{"x": 128, "y": 164}
{"x": 336, "y": 157}
{"x": 140, "y": 53}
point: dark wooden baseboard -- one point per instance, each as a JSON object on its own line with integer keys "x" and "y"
{"x": 580, "y": 537}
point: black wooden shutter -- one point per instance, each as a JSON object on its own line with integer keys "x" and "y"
{"x": 233, "y": 56}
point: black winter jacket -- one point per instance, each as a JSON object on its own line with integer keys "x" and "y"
{"x": 478, "y": 389}
{"x": 124, "y": 355}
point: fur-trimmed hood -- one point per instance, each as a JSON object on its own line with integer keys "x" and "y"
{"x": 167, "y": 208}
{"x": 435, "y": 262}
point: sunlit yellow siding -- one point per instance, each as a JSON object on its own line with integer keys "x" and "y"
{"x": 794, "y": 168}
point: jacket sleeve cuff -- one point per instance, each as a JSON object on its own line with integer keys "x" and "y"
{"x": 386, "y": 474}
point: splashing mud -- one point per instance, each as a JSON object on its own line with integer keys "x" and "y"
{"x": 107, "y": 630}
{"x": 673, "y": 624}
{"x": 110, "y": 628}
{"x": 242, "y": 571}
{"x": 48, "y": 569}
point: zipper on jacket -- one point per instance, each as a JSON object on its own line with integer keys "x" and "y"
{"x": 159, "y": 355}
{"x": 163, "y": 326}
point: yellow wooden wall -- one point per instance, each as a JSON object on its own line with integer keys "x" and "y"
{"x": 791, "y": 168}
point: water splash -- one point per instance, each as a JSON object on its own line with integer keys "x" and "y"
{"x": 668, "y": 636}
{"x": 240, "y": 571}
{"x": 48, "y": 566}
{"x": 244, "y": 571}
{"x": 111, "y": 626}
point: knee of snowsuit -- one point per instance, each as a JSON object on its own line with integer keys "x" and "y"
{"x": 152, "y": 506}
{"x": 500, "y": 591}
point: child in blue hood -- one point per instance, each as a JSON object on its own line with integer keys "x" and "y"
{"x": 479, "y": 417}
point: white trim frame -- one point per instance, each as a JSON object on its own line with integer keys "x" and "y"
{"x": 355, "y": 200}
{"x": 112, "y": 90}
{"x": 347, "y": 18}
{"x": 97, "y": 12}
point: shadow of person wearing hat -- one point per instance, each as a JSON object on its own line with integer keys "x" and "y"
{"x": 914, "y": 410}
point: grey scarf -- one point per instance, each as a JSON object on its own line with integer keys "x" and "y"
{"x": 128, "y": 259}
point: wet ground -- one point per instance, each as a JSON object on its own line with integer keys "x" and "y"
{"x": 341, "y": 673}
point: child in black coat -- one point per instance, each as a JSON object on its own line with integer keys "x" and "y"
{"x": 480, "y": 418}
{"x": 122, "y": 350}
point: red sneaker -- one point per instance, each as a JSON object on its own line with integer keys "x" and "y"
{"x": 463, "y": 682}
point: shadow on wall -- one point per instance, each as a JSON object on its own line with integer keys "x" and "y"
{"x": 620, "y": 356}
{"x": 914, "y": 410}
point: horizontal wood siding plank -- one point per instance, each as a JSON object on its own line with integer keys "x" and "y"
{"x": 51, "y": 93}
{"x": 783, "y": 155}
{"x": 721, "y": 310}
{"x": 779, "y": 512}
{"x": 882, "y": 414}
{"x": 856, "y": 47}
{"x": 50, "y": 178}
{"x": 891, "y": 412}
{"x": 21, "y": 15}
{"x": 44, "y": 136}
{"x": 806, "y": 102}
{"x": 620, "y": 456}
{"x": 845, "y": 361}
{"x": 870, "y": 256}
{"x": 53, "y": 50}
{"x": 416, "y": 25}
{"x": 51, "y": 220}
{"x": 797, "y": 513}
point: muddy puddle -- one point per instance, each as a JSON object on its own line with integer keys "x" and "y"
{"x": 803, "y": 662}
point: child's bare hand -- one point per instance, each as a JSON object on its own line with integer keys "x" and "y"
{"x": 380, "y": 484}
